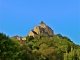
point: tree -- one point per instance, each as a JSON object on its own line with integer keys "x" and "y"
{"x": 11, "y": 49}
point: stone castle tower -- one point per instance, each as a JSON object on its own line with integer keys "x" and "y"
{"x": 42, "y": 24}
{"x": 41, "y": 29}
{"x": 37, "y": 29}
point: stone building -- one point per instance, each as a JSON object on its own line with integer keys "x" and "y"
{"x": 23, "y": 38}
{"x": 41, "y": 29}
{"x": 37, "y": 31}
{"x": 32, "y": 33}
{"x": 18, "y": 38}
{"x": 43, "y": 25}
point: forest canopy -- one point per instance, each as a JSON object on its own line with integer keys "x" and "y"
{"x": 57, "y": 47}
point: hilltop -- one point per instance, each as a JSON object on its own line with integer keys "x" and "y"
{"x": 40, "y": 44}
{"x": 42, "y": 29}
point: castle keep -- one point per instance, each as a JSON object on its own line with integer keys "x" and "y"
{"x": 41, "y": 29}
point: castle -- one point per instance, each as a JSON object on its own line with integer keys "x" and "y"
{"x": 41, "y": 29}
{"x": 38, "y": 30}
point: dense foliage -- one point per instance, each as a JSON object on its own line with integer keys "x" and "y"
{"x": 44, "y": 47}
{"x": 12, "y": 49}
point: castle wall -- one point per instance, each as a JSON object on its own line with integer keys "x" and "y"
{"x": 43, "y": 25}
{"x": 24, "y": 38}
{"x": 49, "y": 31}
{"x": 43, "y": 28}
{"x": 37, "y": 29}
{"x": 31, "y": 33}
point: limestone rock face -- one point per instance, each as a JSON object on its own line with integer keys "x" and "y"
{"x": 42, "y": 29}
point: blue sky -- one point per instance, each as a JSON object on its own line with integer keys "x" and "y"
{"x": 18, "y": 17}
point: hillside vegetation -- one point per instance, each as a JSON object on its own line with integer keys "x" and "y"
{"x": 57, "y": 47}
